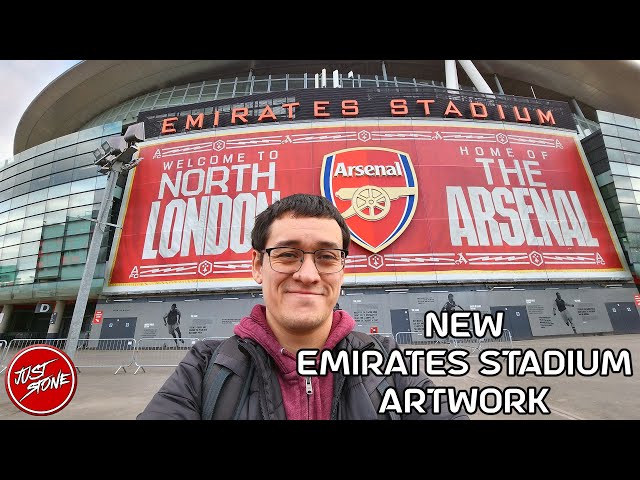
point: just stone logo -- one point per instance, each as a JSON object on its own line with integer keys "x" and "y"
{"x": 41, "y": 379}
{"x": 376, "y": 191}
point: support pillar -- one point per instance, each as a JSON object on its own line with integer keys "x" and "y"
{"x": 577, "y": 108}
{"x": 7, "y": 310}
{"x": 451, "y": 74}
{"x": 474, "y": 75}
{"x": 56, "y": 319}
{"x": 498, "y": 84}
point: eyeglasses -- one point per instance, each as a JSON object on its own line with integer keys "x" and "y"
{"x": 289, "y": 259}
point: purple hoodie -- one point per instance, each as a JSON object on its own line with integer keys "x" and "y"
{"x": 298, "y": 404}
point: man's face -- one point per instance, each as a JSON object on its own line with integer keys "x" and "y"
{"x": 299, "y": 302}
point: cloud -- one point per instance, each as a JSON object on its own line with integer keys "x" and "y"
{"x": 21, "y": 82}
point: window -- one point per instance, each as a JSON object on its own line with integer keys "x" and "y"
{"x": 76, "y": 241}
{"x": 51, "y": 245}
{"x": 78, "y": 199}
{"x": 25, "y": 277}
{"x": 35, "y": 208}
{"x": 31, "y": 235}
{"x": 27, "y": 263}
{"x": 71, "y": 272}
{"x": 73, "y": 257}
{"x": 82, "y": 226}
{"x": 49, "y": 260}
{"x": 47, "y": 273}
{"x": 59, "y": 191}
{"x": 31, "y": 248}
{"x": 83, "y": 185}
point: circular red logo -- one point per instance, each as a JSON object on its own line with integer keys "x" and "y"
{"x": 41, "y": 379}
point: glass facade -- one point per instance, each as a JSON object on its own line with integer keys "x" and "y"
{"x": 614, "y": 156}
{"x": 49, "y": 196}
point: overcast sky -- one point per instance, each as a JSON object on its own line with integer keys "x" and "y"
{"x": 20, "y": 83}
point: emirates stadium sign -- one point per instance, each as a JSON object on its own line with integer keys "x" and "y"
{"x": 294, "y": 106}
{"x": 426, "y": 201}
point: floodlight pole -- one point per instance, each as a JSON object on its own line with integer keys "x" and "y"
{"x": 92, "y": 259}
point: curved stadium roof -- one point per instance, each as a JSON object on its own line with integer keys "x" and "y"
{"x": 93, "y": 86}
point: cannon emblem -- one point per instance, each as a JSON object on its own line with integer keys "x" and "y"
{"x": 371, "y": 202}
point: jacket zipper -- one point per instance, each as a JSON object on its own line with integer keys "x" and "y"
{"x": 309, "y": 388}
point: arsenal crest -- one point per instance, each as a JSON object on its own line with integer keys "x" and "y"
{"x": 376, "y": 191}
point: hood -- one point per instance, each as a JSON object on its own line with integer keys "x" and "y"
{"x": 255, "y": 327}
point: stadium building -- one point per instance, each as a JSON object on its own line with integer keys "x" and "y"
{"x": 500, "y": 185}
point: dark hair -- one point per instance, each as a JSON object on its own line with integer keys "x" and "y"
{"x": 300, "y": 205}
{"x": 174, "y": 305}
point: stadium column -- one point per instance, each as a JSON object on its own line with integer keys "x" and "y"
{"x": 56, "y": 319}
{"x": 474, "y": 75}
{"x": 451, "y": 74}
{"x": 7, "y": 310}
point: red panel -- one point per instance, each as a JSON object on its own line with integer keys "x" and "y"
{"x": 434, "y": 201}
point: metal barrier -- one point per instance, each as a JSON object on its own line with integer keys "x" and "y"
{"x": 161, "y": 352}
{"x": 477, "y": 344}
{"x": 3, "y": 351}
{"x": 18, "y": 344}
{"x": 120, "y": 353}
{"x": 116, "y": 353}
{"x": 382, "y": 334}
{"x": 474, "y": 345}
{"x": 471, "y": 344}
{"x": 418, "y": 338}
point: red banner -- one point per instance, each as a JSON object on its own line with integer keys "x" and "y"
{"x": 425, "y": 202}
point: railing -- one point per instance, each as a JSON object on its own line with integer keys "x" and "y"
{"x": 474, "y": 345}
{"x": 120, "y": 353}
{"x": 382, "y": 334}
{"x": 477, "y": 344}
{"x": 117, "y": 353}
{"x": 417, "y": 338}
{"x": 161, "y": 352}
{"x": 18, "y": 344}
{"x": 3, "y": 351}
